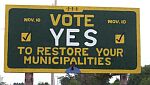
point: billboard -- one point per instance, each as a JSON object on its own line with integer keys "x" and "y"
{"x": 52, "y": 38}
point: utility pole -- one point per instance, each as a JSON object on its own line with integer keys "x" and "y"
{"x": 28, "y": 78}
{"x": 52, "y": 79}
{"x": 55, "y": 2}
{"x": 52, "y": 74}
{"x": 123, "y": 79}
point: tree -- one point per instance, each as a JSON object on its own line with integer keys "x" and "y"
{"x": 74, "y": 82}
{"x": 145, "y": 81}
{"x": 142, "y": 78}
{"x": 69, "y": 81}
{"x": 116, "y": 82}
{"x": 87, "y": 79}
{"x": 134, "y": 79}
{"x": 64, "y": 81}
{"x": 94, "y": 79}
{"x": 18, "y": 83}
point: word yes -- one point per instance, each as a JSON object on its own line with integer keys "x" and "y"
{"x": 70, "y": 36}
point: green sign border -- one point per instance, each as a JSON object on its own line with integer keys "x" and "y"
{"x": 80, "y": 8}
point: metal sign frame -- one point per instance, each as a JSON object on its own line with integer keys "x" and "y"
{"x": 7, "y": 69}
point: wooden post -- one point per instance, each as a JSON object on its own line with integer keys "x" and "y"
{"x": 28, "y": 78}
{"x": 123, "y": 79}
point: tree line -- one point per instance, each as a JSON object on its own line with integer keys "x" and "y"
{"x": 103, "y": 79}
{"x": 100, "y": 79}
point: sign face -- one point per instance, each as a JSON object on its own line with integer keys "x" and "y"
{"x": 51, "y": 39}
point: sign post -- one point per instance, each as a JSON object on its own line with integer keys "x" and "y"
{"x": 28, "y": 78}
{"x": 50, "y": 39}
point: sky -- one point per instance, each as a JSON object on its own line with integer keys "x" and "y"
{"x": 144, "y": 29}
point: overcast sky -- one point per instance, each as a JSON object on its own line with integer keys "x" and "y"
{"x": 144, "y": 27}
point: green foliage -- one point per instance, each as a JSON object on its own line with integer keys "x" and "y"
{"x": 95, "y": 79}
{"x": 116, "y": 82}
{"x": 134, "y": 79}
{"x": 74, "y": 82}
{"x": 67, "y": 81}
{"x": 145, "y": 81}
{"x": 43, "y": 83}
{"x": 142, "y": 78}
{"x": 64, "y": 81}
{"x": 18, "y": 83}
{"x": 87, "y": 79}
